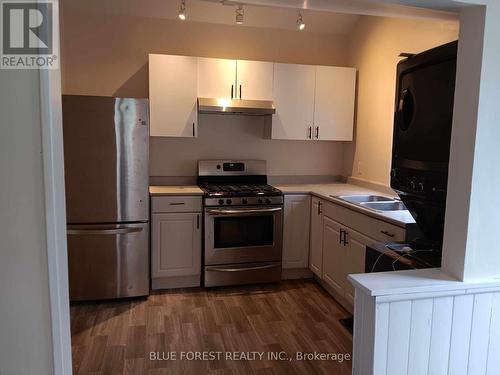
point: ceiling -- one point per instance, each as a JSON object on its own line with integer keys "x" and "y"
{"x": 214, "y": 12}
{"x": 336, "y": 17}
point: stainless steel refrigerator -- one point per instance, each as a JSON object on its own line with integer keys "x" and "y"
{"x": 107, "y": 202}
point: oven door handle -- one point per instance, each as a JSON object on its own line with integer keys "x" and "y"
{"x": 219, "y": 269}
{"x": 239, "y": 212}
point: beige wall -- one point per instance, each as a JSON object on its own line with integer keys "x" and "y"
{"x": 224, "y": 136}
{"x": 374, "y": 48}
{"x": 107, "y": 55}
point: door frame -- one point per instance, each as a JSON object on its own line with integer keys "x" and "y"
{"x": 55, "y": 211}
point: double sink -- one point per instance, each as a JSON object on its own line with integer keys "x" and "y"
{"x": 373, "y": 202}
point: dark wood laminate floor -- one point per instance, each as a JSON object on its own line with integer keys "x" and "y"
{"x": 295, "y": 316}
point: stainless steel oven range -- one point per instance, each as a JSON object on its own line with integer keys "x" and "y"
{"x": 243, "y": 223}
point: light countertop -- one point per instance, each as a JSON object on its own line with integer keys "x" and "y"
{"x": 324, "y": 191}
{"x": 330, "y": 191}
{"x": 175, "y": 190}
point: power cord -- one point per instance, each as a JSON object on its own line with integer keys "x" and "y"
{"x": 406, "y": 254}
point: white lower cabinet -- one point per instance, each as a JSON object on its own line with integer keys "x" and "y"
{"x": 175, "y": 246}
{"x": 337, "y": 250}
{"x": 354, "y": 258}
{"x": 333, "y": 256}
{"x": 316, "y": 243}
{"x": 296, "y": 234}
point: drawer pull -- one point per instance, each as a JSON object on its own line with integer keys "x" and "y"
{"x": 387, "y": 233}
{"x": 177, "y": 203}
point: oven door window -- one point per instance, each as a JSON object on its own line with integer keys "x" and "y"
{"x": 243, "y": 231}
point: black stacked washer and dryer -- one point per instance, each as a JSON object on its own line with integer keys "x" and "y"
{"x": 425, "y": 89}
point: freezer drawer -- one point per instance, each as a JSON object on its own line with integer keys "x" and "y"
{"x": 108, "y": 261}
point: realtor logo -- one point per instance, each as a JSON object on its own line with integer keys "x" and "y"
{"x": 28, "y": 35}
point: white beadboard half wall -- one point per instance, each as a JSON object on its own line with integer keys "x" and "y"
{"x": 422, "y": 322}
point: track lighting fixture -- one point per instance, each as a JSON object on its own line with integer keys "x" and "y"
{"x": 300, "y": 22}
{"x": 239, "y": 14}
{"x": 182, "y": 10}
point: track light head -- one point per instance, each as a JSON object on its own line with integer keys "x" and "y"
{"x": 239, "y": 14}
{"x": 300, "y": 22}
{"x": 182, "y": 10}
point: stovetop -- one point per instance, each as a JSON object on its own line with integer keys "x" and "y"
{"x": 239, "y": 190}
{"x": 236, "y": 183}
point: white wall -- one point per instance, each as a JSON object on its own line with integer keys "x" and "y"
{"x": 374, "y": 48}
{"x": 471, "y": 248}
{"x": 25, "y": 325}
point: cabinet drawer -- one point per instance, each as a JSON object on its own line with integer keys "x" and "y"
{"x": 387, "y": 232}
{"x": 176, "y": 203}
{"x": 369, "y": 226}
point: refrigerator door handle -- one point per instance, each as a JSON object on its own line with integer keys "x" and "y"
{"x": 95, "y": 231}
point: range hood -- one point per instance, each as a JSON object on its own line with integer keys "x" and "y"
{"x": 236, "y": 106}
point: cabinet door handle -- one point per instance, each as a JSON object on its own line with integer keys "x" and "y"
{"x": 345, "y": 238}
{"x": 319, "y": 208}
{"x": 232, "y": 90}
{"x": 198, "y": 221}
{"x": 317, "y": 132}
{"x": 193, "y": 130}
{"x": 240, "y": 91}
{"x": 309, "y": 134}
{"x": 177, "y": 203}
{"x": 340, "y": 236}
{"x": 387, "y": 233}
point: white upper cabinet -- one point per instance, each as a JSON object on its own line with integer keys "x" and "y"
{"x": 216, "y": 78}
{"x": 312, "y": 102}
{"x": 293, "y": 95}
{"x": 254, "y": 80}
{"x": 334, "y": 103}
{"x": 173, "y": 92}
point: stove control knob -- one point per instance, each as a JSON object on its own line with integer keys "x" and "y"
{"x": 244, "y": 201}
{"x": 221, "y": 201}
{"x": 413, "y": 185}
{"x": 421, "y": 186}
{"x": 268, "y": 201}
{"x": 229, "y": 201}
{"x": 260, "y": 201}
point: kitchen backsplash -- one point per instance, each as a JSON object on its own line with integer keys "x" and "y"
{"x": 243, "y": 137}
